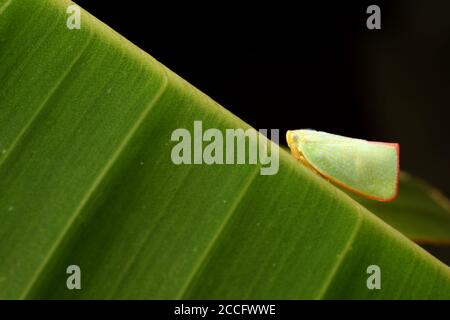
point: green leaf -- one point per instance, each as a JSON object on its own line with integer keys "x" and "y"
{"x": 420, "y": 212}
{"x": 86, "y": 179}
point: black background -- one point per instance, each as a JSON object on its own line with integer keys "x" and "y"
{"x": 164, "y": 309}
{"x": 311, "y": 66}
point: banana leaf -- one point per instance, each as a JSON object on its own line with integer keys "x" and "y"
{"x": 86, "y": 179}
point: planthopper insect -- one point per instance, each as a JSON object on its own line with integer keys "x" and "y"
{"x": 367, "y": 168}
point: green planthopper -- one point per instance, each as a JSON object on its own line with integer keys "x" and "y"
{"x": 368, "y": 168}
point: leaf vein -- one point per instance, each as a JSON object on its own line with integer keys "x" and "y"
{"x": 343, "y": 254}
{"x": 97, "y": 182}
{"x": 214, "y": 240}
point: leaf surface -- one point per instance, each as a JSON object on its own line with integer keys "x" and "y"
{"x": 420, "y": 211}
